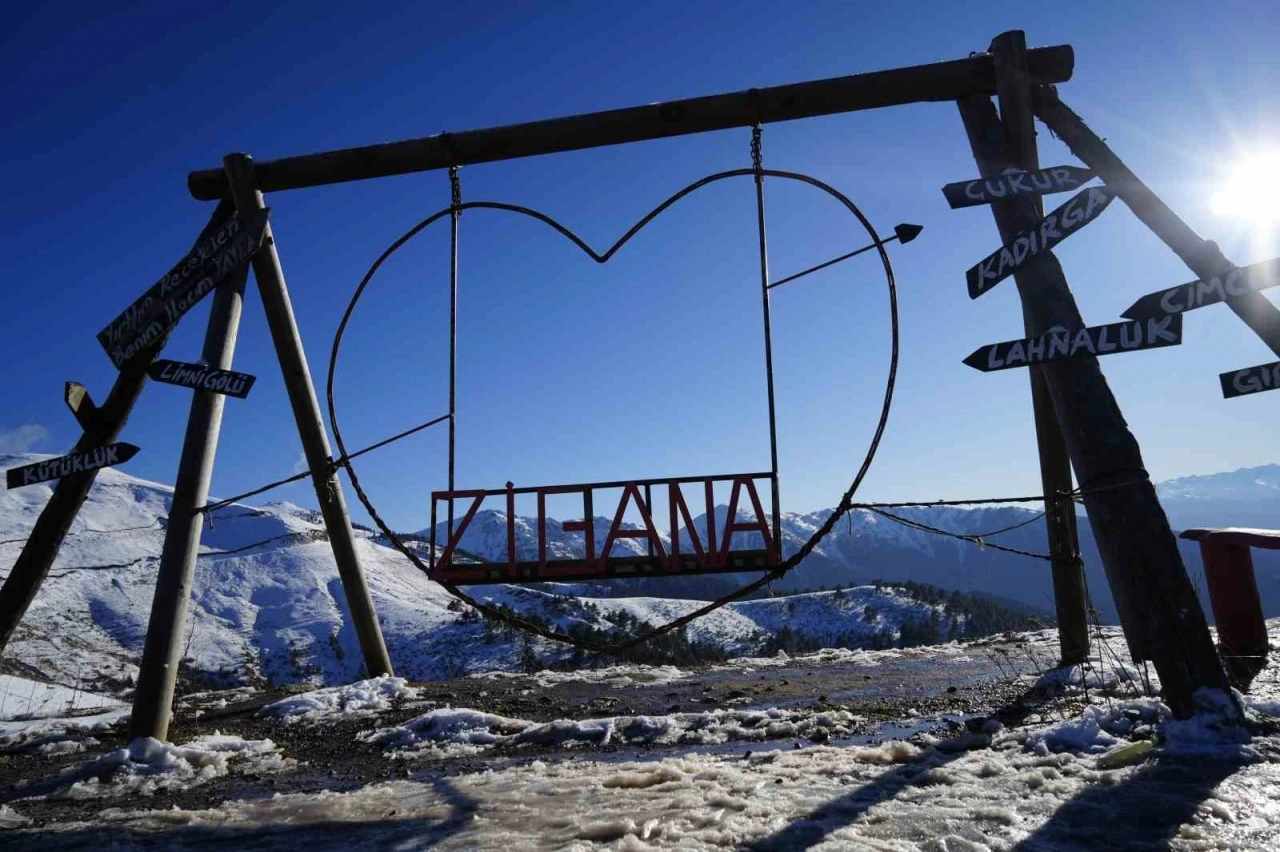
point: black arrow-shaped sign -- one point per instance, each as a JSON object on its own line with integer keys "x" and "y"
{"x": 1263, "y": 377}
{"x": 210, "y": 262}
{"x": 970, "y": 193}
{"x": 1238, "y": 281}
{"x": 202, "y": 377}
{"x": 16, "y": 477}
{"x": 1081, "y": 209}
{"x": 1109, "y": 339}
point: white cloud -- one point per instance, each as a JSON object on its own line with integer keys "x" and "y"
{"x": 300, "y": 466}
{"x": 23, "y": 439}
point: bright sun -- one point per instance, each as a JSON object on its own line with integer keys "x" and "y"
{"x": 1251, "y": 191}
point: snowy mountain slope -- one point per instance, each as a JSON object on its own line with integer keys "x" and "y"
{"x": 267, "y": 601}
{"x": 1249, "y": 497}
{"x": 866, "y": 546}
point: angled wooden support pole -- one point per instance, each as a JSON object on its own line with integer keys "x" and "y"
{"x": 306, "y": 411}
{"x": 162, "y": 652}
{"x": 1013, "y": 85}
{"x": 1162, "y": 618}
{"x": 101, "y": 426}
{"x": 1202, "y": 256}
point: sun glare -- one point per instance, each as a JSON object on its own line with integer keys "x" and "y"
{"x": 1251, "y": 191}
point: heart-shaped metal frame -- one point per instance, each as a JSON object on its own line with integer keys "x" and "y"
{"x": 768, "y": 576}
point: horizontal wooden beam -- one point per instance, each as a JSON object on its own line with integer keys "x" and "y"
{"x": 942, "y": 81}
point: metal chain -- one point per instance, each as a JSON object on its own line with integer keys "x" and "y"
{"x": 757, "y": 155}
{"x": 455, "y": 191}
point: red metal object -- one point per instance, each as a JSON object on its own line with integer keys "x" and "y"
{"x": 1233, "y": 594}
{"x": 704, "y": 558}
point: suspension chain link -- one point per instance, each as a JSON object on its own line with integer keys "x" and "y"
{"x": 455, "y": 191}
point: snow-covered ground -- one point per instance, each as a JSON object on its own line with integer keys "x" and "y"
{"x": 1111, "y": 771}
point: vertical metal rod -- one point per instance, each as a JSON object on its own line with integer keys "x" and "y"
{"x": 454, "y": 215}
{"x": 162, "y": 650}
{"x": 431, "y": 554}
{"x": 589, "y": 509}
{"x": 306, "y": 413}
{"x": 768, "y": 344}
{"x": 648, "y": 507}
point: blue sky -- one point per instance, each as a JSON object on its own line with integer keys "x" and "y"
{"x": 652, "y": 365}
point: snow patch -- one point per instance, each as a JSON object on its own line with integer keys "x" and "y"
{"x": 363, "y": 698}
{"x": 620, "y": 675}
{"x": 453, "y": 731}
{"x": 148, "y": 765}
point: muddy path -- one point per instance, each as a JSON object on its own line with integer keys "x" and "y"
{"x": 895, "y": 697}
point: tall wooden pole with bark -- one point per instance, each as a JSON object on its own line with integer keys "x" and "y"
{"x": 1013, "y": 85}
{"x": 1158, "y": 607}
{"x": 162, "y": 650}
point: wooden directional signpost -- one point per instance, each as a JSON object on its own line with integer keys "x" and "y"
{"x": 61, "y": 466}
{"x": 1238, "y": 281}
{"x": 1151, "y": 333}
{"x": 1263, "y": 377}
{"x": 202, "y": 377}
{"x": 1015, "y": 184}
{"x": 210, "y": 261}
{"x": 1080, "y": 210}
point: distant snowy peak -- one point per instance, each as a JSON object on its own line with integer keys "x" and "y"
{"x": 1247, "y": 483}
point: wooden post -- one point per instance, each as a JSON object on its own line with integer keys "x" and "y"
{"x": 1013, "y": 85}
{"x": 1161, "y": 615}
{"x": 100, "y": 425}
{"x": 306, "y": 411}
{"x": 162, "y": 652}
{"x": 1202, "y": 256}
{"x": 41, "y": 548}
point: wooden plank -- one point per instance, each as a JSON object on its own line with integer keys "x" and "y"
{"x": 1027, "y": 246}
{"x": 202, "y": 377}
{"x": 942, "y": 81}
{"x": 1096, "y": 340}
{"x": 1238, "y": 281}
{"x": 1015, "y": 184}
{"x": 77, "y": 462}
{"x": 1266, "y": 539}
{"x": 211, "y": 261}
{"x": 1250, "y": 380}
